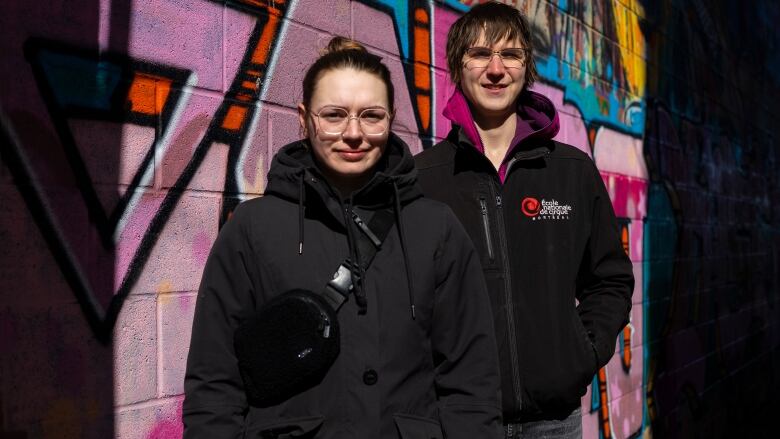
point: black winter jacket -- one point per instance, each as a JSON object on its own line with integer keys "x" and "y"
{"x": 546, "y": 235}
{"x": 396, "y": 377}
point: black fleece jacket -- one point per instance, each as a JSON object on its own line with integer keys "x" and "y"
{"x": 396, "y": 377}
{"x": 546, "y": 235}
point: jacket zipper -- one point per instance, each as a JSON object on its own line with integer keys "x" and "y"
{"x": 510, "y": 312}
{"x": 486, "y": 226}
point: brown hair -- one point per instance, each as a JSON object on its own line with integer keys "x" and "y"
{"x": 343, "y": 53}
{"x": 498, "y": 22}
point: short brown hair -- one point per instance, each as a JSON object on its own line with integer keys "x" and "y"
{"x": 498, "y": 22}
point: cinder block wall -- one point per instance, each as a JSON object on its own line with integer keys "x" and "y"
{"x": 131, "y": 129}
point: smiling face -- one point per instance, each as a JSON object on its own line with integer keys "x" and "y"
{"x": 492, "y": 91}
{"x": 347, "y": 160}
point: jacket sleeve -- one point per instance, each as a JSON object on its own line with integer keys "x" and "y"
{"x": 605, "y": 280}
{"x": 214, "y": 399}
{"x": 463, "y": 341}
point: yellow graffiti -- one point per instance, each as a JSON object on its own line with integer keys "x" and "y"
{"x": 256, "y": 185}
{"x": 165, "y": 286}
{"x": 631, "y": 42}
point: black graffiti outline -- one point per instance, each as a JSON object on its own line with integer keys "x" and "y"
{"x": 35, "y": 197}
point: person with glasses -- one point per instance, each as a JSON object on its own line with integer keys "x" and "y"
{"x": 559, "y": 281}
{"x": 417, "y": 357}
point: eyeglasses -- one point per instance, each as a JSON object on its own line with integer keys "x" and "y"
{"x": 512, "y": 57}
{"x": 334, "y": 120}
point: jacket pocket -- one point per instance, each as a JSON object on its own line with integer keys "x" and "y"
{"x": 417, "y": 427}
{"x": 587, "y": 345}
{"x": 304, "y": 427}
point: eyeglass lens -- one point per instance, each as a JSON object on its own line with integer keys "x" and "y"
{"x": 479, "y": 57}
{"x": 334, "y": 120}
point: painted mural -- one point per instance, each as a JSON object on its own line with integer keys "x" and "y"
{"x": 131, "y": 130}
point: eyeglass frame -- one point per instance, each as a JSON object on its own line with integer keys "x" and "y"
{"x": 350, "y": 116}
{"x": 526, "y": 54}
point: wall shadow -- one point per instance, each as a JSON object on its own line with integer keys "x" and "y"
{"x": 62, "y": 100}
{"x": 711, "y": 233}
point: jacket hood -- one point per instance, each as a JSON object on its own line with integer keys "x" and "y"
{"x": 294, "y": 176}
{"x": 537, "y": 119}
{"x": 294, "y": 163}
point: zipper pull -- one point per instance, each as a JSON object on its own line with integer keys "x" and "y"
{"x": 498, "y": 201}
{"x": 324, "y": 325}
{"x": 483, "y": 206}
{"x": 364, "y": 228}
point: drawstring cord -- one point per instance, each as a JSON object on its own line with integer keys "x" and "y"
{"x": 400, "y": 226}
{"x": 301, "y": 197}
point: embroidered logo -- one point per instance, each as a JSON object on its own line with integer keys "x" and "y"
{"x": 530, "y": 206}
{"x": 545, "y": 209}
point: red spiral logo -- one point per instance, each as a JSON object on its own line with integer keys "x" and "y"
{"x": 530, "y": 206}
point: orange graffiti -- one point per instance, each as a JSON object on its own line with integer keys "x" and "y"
{"x": 422, "y": 61}
{"x": 422, "y": 79}
{"x": 271, "y": 6}
{"x": 234, "y": 118}
{"x": 148, "y": 93}
{"x": 592, "y": 136}
{"x": 424, "y": 108}
{"x": 604, "y": 402}
{"x": 627, "y": 347}
{"x": 263, "y": 48}
{"x": 624, "y": 237}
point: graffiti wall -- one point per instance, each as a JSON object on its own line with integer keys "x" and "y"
{"x": 131, "y": 130}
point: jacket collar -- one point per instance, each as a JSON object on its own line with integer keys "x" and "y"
{"x": 294, "y": 164}
{"x": 537, "y": 119}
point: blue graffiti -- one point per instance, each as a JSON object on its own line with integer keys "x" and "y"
{"x": 77, "y": 82}
{"x": 595, "y": 106}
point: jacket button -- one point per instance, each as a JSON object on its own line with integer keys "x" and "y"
{"x": 370, "y": 377}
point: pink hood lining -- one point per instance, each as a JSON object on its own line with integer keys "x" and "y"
{"x": 537, "y": 119}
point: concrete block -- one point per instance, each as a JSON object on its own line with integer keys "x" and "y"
{"x": 443, "y": 18}
{"x": 443, "y": 90}
{"x": 619, "y": 153}
{"x": 375, "y": 28}
{"x": 157, "y": 419}
{"x": 625, "y": 413}
{"x": 621, "y": 381}
{"x": 112, "y": 152}
{"x": 415, "y": 145}
{"x": 176, "y": 262}
{"x": 628, "y": 195}
{"x": 135, "y": 351}
{"x": 284, "y": 128}
{"x": 405, "y": 119}
{"x": 57, "y": 379}
{"x": 176, "y": 313}
{"x": 636, "y": 232}
{"x": 296, "y": 53}
{"x": 239, "y": 26}
{"x": 255, "y": 158}
{"x": 332, "y": 16}
{"x": 188, "y": 132}
{"x": 186, "y": 34}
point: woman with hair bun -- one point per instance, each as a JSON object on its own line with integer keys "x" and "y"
{"x": 415, "y": 354}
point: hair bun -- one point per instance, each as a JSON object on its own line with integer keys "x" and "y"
{"x": 338, "y": 44}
